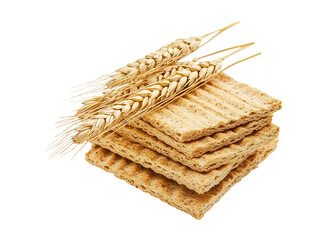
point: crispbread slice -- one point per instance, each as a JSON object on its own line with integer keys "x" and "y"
{"x": 207, "y": 162}
{"x": 190, "y": 149}
{"x": 221, "y": 104}
{"x": 168, "y": 190}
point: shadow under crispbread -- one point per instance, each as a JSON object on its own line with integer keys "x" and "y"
{"x": 221, "y": 104}
{"x": 168, "y": 190}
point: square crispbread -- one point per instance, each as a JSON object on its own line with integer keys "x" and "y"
{"x": 168, "y": 190}
{"x": 207, "y": 162}
{"x": 220, "y": 104}
{"x": 142, "y": 133}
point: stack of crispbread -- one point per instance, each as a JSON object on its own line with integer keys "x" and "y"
{"x": 192, "y": 151}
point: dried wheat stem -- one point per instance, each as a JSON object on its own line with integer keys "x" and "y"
{"x": 242, "y": 60}
{"x": 240, "y": 47}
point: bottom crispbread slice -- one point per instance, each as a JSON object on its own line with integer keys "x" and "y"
{"x": 168, "y": 190}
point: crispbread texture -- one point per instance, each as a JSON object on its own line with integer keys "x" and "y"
{"x": 168, "y": 190}
{"x": 220, "y": 104}
{"x": 196, "y": 148}
{"x": 207, "y": 162}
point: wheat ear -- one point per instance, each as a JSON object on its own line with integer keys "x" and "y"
{"x": 170, "y": 85}
{"x": 165, "y": 55}
{"x": 127, "y": 80}
{"x": 133, "y": 74}
{"x": 94, "y": 105}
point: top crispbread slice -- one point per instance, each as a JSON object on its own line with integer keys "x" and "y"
{"x": 221, "y": 104}
{"x": 168, "y": 190}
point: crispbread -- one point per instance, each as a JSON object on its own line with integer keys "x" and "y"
{"x": 143, "y": 132}
{"x": 200, "y": 182}
{"x": 207, "y": 162}
{"x": 168, "y": 190}
{"x": 221, "y": 104}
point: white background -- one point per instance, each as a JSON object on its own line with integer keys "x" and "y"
{"x": 48, "y": 47}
